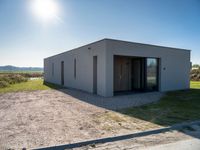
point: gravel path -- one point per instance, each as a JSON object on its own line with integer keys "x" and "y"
{"x": 116, "y": 102}
{"x": 50, "y": 117}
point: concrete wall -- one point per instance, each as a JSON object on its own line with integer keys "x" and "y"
{"x": 84, "y": 68}
{"x": 174, "y": 63}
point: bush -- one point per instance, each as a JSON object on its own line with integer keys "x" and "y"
{"x": 195, "y": 75}
{"x": 3, "y": 84}
{"x": 16, "y": 78}
{"x": 7, "y": 79}
{"x": 13, "y": 78}
{"x": 32, "y": 75}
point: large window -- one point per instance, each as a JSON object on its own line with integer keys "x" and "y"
{"x": 152, "y": 74}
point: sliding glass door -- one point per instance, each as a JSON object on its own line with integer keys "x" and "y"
{"x": 136, "y": 74}
{"x": 151, "y": 74}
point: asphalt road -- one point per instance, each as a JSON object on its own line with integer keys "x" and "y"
{"x": 191, "y": 144}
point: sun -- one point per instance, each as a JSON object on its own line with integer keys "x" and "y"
{"x": 45, "y": 10}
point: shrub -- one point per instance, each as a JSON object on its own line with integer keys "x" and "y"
{"x": 32, "y": 75}
{"x": 16, "y": 78}
{"x": 7, "y": 79}
{"x": 195, "y": 75}
{"x": 3, "y": 84}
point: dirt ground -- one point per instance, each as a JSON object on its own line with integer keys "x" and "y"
{"x": 50, "y": 117}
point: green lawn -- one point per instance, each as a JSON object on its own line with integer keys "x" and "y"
{"x": 30, "y": 85}
{"x": 174, "y": 107}
{"x": 195, "y": 84}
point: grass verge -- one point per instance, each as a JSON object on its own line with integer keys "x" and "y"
{"x": 174, "y": 107}
{"x": 30, "y": 85}
{"x": 195, "y": 84}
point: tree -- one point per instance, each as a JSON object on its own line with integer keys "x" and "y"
{"x": 195, "y": 66}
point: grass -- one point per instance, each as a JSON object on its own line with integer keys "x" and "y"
{"x": 174, "y": 107}
{"x": 30, "y": 85}
{"x": 195, "y": 84}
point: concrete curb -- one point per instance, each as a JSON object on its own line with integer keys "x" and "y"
{"x": 118, "y": 138}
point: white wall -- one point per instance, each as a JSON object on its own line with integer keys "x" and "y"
{"x": 84, "y": 68}
{"x": 175, "y": 61}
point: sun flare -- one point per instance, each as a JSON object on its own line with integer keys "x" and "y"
{"x": 46, "y": 10}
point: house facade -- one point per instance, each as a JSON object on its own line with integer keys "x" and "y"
{"x": 109, "y": 67}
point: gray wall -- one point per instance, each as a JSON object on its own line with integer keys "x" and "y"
{"x": 176, "y": 62}
{"x": 174, "y": 77}
{"x": 84, "y": 68}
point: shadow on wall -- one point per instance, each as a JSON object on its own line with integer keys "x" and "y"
{"x": 174, "y": 107}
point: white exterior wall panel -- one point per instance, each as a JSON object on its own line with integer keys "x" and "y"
{"x": 174, "y": 65}
{"x": 84, "y": 68}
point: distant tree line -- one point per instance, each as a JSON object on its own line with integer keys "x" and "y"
{"x": 14, "y": 68}
{"x": 196, "y": 66}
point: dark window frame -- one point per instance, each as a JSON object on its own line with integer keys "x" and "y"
{"x": 74, "y": 68}
{"x": 62, "y": 73}
{"x": 157, "y": 74}
{"x": 52, "y": 69}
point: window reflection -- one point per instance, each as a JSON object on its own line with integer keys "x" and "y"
{"x": 152, "y": 75}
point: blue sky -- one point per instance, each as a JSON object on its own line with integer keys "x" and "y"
{"x": 25, "y": 40}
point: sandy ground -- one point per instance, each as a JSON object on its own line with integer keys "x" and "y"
{"x": 50, "y": 117}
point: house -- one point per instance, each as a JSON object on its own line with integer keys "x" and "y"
{"x": 109, "y": 67}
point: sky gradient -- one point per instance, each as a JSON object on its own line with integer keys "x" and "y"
{"x": 26, "y": 41}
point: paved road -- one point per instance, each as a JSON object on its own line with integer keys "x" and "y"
{"x": 191, "y": 144}
{"x": 187, "y": 137}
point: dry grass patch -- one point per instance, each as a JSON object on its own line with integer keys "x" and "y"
{"x": 114, "y": 121}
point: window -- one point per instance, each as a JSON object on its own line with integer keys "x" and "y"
{"x": 152, "y": 73}
{"x": 62, "y": 73}
{"x": 52, "y": 69}
{"x": 75, "y": 68}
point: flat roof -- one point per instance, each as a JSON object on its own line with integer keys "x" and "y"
{"x": 146, "y": 44}
{"x": 116, "y": 40}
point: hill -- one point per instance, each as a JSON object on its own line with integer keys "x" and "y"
{"x": 18, "y": 69}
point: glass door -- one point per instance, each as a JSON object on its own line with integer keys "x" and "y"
{"x": 151, "y": 74}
